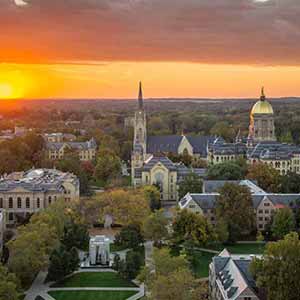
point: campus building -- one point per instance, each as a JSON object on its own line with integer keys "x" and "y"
{"x": 58, "y": 150}
{"x": 264, "y": 204}
{"x": 230, "y": 278}
{"x": 261, "y": 145}
{"x": 24, "y": 193}
{"x": 149, "y": 161}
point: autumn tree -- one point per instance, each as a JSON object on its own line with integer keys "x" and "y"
{"x": 108, "y": 165}
{"x": 172, "y": 279}
{"x": 234, "y": 209}
{"x": 190, "y": 226}
{"x": 152, "y": 193}
{"x": 192, "y": 183}
{"x": 125, "y": 206}
{"x": 266, "y": 176}
{"x": 278, "y": 271}
{"x": 283, "y": 223}
{"x": 9, "y": 285}
{"x": 155, "y": 227}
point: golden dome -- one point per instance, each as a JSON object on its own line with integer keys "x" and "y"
{"x": 262, "y": 106}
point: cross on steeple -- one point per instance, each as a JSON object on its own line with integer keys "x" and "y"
{"x": 141, "y": 101}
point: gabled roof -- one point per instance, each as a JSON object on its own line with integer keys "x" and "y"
{"x": 163, "y": 143}
{"x": 165, "y": 161}
{"x": 91, "y": 144}
{"x": 200, "y": 143}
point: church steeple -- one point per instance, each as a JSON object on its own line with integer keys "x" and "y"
{"x": 141, "y": 100}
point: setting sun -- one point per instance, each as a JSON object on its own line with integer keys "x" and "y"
{"x": 6, "y": 91}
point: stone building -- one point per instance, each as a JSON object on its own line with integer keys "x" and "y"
{"x": 230, "y": 278}
{"x": 2, "y": 229}
{"x": 262, "y": 126}
{"x": 162, "y": 172}
{"x": 86, "y": 150}
{"x": 264, "y": 204}
{"x": 149, "y": 162}
{"x": 24, "y": 193}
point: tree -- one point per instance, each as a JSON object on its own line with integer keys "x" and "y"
{"x": 152, "y": 193}
{"x": 278, "y": 271}
{"x": 125, "y": 206}
{"x": 235, "y": 210}
{"x": 172, "y": 279}
{"x": 63, "y": 261}
{"x": 155, "y": 227}
{"x": 266, "y": 176}
{"x": 130, "y": 236}
{"x": 223, "y": 129}
{"x": 225, "y": 171}
{"x": 192, "y": 183}
{"x": 283, "y": 223}
{"x": 108, "y": 165}
{"x": 75, "y": 235}
{"x": 290, "y": 183}
{"x": 190, "y": 226}
{"x": 9, "y": 285}
{"x": 130, "y": 268}
{"x": 30, "y": 250}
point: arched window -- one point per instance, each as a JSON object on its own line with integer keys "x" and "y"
{"x": 159, "y": 180}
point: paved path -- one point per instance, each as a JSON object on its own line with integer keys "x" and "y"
{"x": 38, "y": 286}
{"x": 95, "y": 289}
{"x": 148, "y": 253}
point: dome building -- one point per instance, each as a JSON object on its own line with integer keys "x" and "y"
{"x": 262, "y": 121}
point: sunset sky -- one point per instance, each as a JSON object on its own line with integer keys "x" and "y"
{"x": 178, "y": 48}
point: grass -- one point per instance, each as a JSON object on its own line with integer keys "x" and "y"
{"x": 249, "y": 248}
{"x": 200, "y": 263}
{"x": 91, "y": 295}
{"x": 94, "y": 279}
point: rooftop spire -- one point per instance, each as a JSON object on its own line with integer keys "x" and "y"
{"x": 141, "y": 101}
{"x": 262, "y": 96}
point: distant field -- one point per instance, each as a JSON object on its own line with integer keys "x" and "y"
{"x": 91, "y": 295}
{"x": 94, "y": 279}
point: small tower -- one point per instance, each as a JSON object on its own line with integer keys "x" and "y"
{"x": 140, "y": 135}
{"x": 262, "y": 126}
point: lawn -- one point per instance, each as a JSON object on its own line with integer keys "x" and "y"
{"x": 91, "y": 295}
{"x": 249, "y": 248}
{"x": 201, "y": 262}
{"x": 94, "y": 279}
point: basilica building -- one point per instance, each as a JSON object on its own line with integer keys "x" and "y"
{"x": 150, "y": 164}
{"x": 149, "y": 161}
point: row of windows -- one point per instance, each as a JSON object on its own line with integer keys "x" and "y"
{"x": 20, "y": 202}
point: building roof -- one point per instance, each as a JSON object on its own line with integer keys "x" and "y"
{"x": 213, "y": 186}
{"x": 170, "y": 143}
{"x": 209, "y": 200}
{"x": 35, "y": 180}
{"x": 233, "y": 276}
{"x": 91, "y": 144}
{"x": 163, "y": 143}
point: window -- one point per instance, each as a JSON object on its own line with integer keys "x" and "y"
{"x": 266, "y": 204}
{"x": 192, "y": 206}
{"x": 11, "y": 216}
{"x": 10, "y": 202}
{"x": 19, "y": 202}
{"x": 49, "y": 199}
{"x": 38, "y": 202}
{"x": 260, "y": 211}
{"x": 266, "y": 211}
{"x": 27, "y": 202}
{"x": 1, "y": 202}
